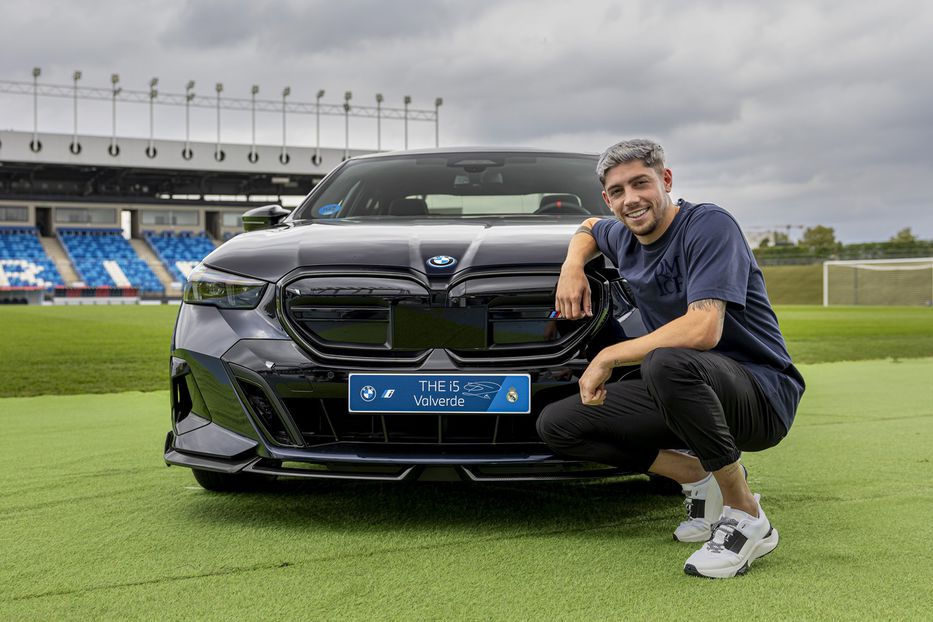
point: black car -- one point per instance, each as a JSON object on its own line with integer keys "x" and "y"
{"x": 399, "y": 324}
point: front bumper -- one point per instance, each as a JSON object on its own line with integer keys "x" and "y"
{"x": 350, "y": 462}
{"x": 247, "y": 399}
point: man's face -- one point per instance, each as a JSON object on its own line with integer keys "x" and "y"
{"x": 637, "y": 195}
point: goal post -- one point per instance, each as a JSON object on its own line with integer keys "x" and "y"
{"x": 906, "y": 281}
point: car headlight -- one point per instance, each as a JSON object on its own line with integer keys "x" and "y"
{"x": 207, "y": 286}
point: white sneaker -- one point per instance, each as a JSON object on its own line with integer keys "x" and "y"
{"x": 738, "y": 540}
{"x": 704, "y": 507}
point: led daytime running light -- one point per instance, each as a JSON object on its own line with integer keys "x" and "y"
{"x": 207, "y": 286}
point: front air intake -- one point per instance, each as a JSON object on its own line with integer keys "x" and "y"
{"x": 264, "y": 412}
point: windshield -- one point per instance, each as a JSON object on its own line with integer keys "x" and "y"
{"x": 460, "y": 185}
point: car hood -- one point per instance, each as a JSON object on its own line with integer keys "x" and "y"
{"x": 391, "y": 243}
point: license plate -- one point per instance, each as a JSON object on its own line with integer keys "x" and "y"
{"x": 492, "y": 394}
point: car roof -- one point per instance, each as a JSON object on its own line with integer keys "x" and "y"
{"x": 470, "y": 150}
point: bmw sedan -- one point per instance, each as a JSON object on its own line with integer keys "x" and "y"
{"x": 398, "y": 324}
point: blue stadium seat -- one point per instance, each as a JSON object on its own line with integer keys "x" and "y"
{"x": 90, "y": 248}
{"x": 183, "y": 248}
{"x": 23, "y": 261}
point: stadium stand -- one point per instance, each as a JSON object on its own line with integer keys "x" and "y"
{"x": 179, "y": 251}
{"x": 23, "y": 261}
{"x": 104, "y": 259}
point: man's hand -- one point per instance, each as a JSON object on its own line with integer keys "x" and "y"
{"x": 593, "y": 383}
{"x": 573, "y": 298}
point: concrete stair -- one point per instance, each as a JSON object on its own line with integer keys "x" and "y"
{"x": 53, "y": 248}
{"x": 146, "y": 254}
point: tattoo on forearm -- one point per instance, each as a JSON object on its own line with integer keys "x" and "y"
{"x": 709, "y": 303}
{"x": 586, "y": 230}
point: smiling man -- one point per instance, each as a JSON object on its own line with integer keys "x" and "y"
{"x": 716, "y": 377}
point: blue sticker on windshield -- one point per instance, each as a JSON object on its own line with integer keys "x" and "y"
{"x": 329, "y": 209}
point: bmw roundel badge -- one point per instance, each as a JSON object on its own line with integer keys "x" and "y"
{"x": 441, "y": 261}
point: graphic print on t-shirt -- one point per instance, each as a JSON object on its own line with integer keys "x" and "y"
{"x": 668, "y": 277}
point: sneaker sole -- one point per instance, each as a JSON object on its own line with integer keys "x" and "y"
{"x": 766, "y": 546}
{"x": 698, "y": 538}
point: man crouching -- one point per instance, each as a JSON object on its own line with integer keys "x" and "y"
{"x": 715, "y": 373}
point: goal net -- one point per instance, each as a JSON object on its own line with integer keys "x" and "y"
{"x": 878, "y": 282}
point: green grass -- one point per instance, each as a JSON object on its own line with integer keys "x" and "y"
{"x": 81, "y": 350}
{"x": 818, "y": 334}
{"x": 84, "y": 349}
{"x": 794, "y": 285}
{"x": 94, "y": 526}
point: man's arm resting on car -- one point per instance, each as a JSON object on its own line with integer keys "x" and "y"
{"x": 700, "y": 328}
{"x": 573, "y": 290}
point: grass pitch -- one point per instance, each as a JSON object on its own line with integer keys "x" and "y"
{"x": 101, "y": 349}
{"x": 85, "y": 349}
{"x": 794, "y": 285}
{"x": 94, "y": 526}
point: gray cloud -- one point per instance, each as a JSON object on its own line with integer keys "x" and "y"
{"x": 793, "y": 112}
{"x": 309, "y": 27}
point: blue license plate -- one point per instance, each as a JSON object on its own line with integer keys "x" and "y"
{"x": 492, "y": 394}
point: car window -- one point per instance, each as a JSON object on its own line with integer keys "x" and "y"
{"x": 459, "y": 185}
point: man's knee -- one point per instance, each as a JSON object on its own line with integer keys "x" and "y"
{"x": 554, "y": 424}
{"x": 664, "y": 363}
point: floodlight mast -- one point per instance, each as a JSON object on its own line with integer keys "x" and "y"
{"x": 252, "y": 152}
{"x": 407, "y": 101}
{"x": 114, "y": 80}
{"x": 36, "y": 72}
{"x": 153, "y": 93}
{"x": 75, "y": 147}
{"x": 316, "y": 158}
{"x": 218, "y": 152}
{"x": 379, "y": 99}
{"x": 189, "y": 95}
{"x": 346, "y": 119}
{"x": 283, "y": 158}
{"x": 437, "y": 125}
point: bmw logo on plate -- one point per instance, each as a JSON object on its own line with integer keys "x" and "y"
{"x": 368, "y": 393}
{"x": 441, "y": 261}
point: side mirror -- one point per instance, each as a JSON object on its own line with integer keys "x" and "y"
{"x": 264, "y": 217}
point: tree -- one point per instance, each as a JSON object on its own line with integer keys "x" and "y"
{"x": 904, "y": 236}
{"x": 764, "y": 243}
{"x": 820, "y": 240}
{"x": 781, "y": 239}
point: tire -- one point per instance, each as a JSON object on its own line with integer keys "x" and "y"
{"x": 229, "y": 482}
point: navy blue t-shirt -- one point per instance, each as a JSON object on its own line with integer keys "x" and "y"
{"x": 703, "y": 254}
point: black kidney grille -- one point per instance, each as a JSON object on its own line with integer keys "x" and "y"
{"x": 395, "y": 317}
{"x": 520, "y": 315}
{"x": 351, "y": 314}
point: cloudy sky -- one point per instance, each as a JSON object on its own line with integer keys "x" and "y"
{"x": 785, "y": 113}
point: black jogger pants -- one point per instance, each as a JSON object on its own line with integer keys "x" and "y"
{"x": 685, "y": 399}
